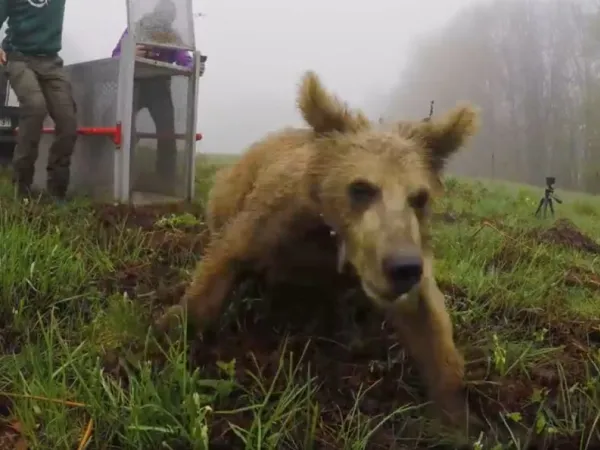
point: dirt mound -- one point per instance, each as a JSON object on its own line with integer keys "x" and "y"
{"x": 566, "y": 234}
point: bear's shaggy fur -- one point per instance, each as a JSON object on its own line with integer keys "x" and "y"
{"x": 372, "y": 187}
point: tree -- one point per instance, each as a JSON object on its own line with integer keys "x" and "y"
{"x": 531, "y": 66}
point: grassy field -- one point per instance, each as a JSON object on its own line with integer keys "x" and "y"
{"x": 79, "y": 285}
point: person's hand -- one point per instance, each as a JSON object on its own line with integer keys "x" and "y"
{"x": 141, "y": 50}
{"x": 2, "y": 56}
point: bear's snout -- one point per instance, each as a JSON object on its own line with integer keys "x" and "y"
{"x": 402, "y": 271}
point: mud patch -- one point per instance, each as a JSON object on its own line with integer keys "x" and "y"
{"x": 566, "y": 234}
{"x": 146, "y": 217}
{"x": 342, "y": 367}
{"x": 160, "y": 281}
{"x": 376, "y": 363}
{"x": 178, "y": 247}
{"x": 170, "y": 246}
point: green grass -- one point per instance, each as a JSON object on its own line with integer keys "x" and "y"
{"x": 76, "y": 299}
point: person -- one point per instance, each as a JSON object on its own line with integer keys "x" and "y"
{"x": 154, "y": 94}
{"x": 30, "y": 53}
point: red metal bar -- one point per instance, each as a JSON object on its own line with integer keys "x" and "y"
{"x": 112, "y": 132}
{"x": 115, "y": 133}
{"x": 88, "y": 131}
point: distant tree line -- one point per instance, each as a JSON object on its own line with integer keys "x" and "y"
{"x": 533, "y": 67}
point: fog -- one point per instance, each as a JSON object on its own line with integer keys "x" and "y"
{"x": 257, "y": 50}
{"x": 532, "y": 67}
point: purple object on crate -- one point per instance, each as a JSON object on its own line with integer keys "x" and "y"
{"x": 179, "y": 57}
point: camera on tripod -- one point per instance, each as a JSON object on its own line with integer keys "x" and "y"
{"x": 548, "y": 199}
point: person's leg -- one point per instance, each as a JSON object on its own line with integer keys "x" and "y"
{"x": 26, "y": 87}
{"x": 56, "y": 88}
{"x": 161, "y": 109}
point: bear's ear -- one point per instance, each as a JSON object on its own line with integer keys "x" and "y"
{"x": 444, "y": 137}
{"x": 324, "y": 112}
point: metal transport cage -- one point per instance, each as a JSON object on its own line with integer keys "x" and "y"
{"x": 116, "y": 150}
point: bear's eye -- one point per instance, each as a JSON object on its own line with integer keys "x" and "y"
{"x": 419, "y": 199}
{"x": 362, "y": 193}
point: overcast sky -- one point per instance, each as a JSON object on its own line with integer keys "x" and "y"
{"x": 258, "y": 49}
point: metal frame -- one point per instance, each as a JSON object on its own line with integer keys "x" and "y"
{"x": 169, "y": 46}
{"x": 122, "y": 161}
{"x": 129, "y": 67}
{"x": 192, "y": 118}
{"x": 191, "y": 127}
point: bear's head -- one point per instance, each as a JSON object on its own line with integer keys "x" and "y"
{"x": 374, "y": 186}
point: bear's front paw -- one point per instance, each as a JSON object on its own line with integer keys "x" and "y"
{"x": 457, "y": 414}
{"x": 171, "y": 318}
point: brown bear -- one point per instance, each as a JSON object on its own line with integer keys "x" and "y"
{"x": 372, "y": 186}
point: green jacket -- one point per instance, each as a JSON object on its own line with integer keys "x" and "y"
{"x": 34, "y": 26}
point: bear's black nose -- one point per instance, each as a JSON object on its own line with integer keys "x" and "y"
{"x": 402, "y": 271}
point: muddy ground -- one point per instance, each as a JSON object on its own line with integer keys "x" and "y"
{"x": 361, "y": 352}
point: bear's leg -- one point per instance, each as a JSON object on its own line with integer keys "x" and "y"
{"x": 425, "y": 328}
{"x": 214, "y": 274}
{"x": 248, "y": 237}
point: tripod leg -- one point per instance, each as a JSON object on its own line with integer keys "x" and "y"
{"x": 551, "y": 206}
{"x": 545, "y": 214}
{"x": 539, "y": 208}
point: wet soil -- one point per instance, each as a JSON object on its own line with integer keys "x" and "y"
{"x": 355, "y": 347}
{"x": 564, "y": 233}
{"x": 343, "y": 341}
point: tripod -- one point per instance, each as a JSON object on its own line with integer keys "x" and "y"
{"x": 547, "y": 201}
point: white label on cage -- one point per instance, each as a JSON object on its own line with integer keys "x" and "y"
{"x": 4, "y": 122}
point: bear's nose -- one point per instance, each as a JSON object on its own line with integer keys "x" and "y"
{"x": 403, "y": 271}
